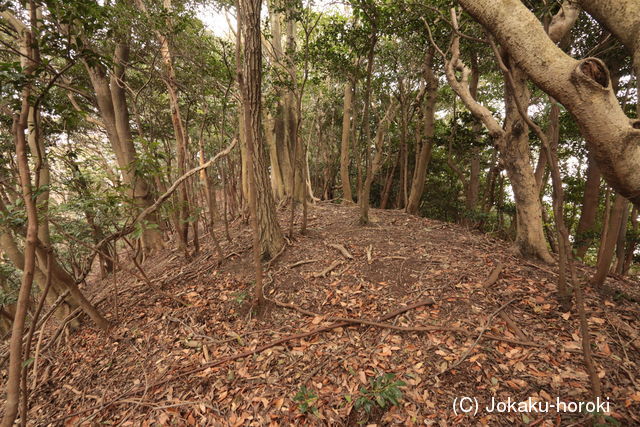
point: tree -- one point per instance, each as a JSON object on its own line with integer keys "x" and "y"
{"x": 512, "y": 141}
{"x": 262, "y": 204}
{"x": 582, "y": 86}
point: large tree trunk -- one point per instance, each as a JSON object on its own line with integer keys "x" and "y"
{"x": 583, "y": 86}
{"x": 265, "y": 220}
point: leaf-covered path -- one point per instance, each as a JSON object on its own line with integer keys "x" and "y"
{"x": 169, "y": 364}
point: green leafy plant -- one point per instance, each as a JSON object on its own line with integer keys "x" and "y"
{"x": 306, "y": 399}
{"x": 383, "y": 391}
{"x": 240, "y": 297}
{"x": 602, "y": 420}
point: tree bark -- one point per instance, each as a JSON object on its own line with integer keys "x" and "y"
{"x": 631, "y": 247}
{"x": 264, "y": 218}
{"x": 622, "y": 239}
{"x": 20, "y": 121}
{"x": 112, "y": 105}
{"x": 585, "y": 232}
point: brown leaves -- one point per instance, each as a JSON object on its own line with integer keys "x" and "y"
{"x": 161, "y": 341}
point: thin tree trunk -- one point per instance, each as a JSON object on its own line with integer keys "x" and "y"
{"x": 428, "y": 130}
{"x": 344, "y": 147}
{"x": 631, "y": 246}
{"x": 389, "y": 183}
{"x": 608, "y": 242}
{"x": 375, "y": 164}
{"x": 622, "y": 239}
{"x": 15, "y": 345}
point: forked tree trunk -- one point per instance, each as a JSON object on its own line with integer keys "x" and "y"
{"x": 112, "y": 105}
{"x": 428, "y": 130}
{"x": 608, "y": 243}
{"x": 513, "y": 144}
{"x": 530, "y": 239}
{"x": 374, "y": 165}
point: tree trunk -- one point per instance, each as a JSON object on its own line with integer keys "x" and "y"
{"x": 608, "y": 243}
{"x": 631, "y": 247}
{"x": 428, "y": 130}
{"x": 530, "y": 239}
{"x": 622, "y": 239}
{"x": 344, "y": 147}
{"x": 585, "y": 232}
{"x": 386, "y": 192}
{"x": 513, "y": 144}
{"x": 264, "y": 218}
{"x": 112, "y": 106}
{"x": 375, "y": 164}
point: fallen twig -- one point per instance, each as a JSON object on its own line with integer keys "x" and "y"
{"x": 482, "y": 331}
{"x": 513, "y": 326}
{"x": 303, "y": 262}
{"x": 324, "y": 272}
{"x": 429, "y": 328}
{"x": 493, "y": 277}
{"x": 342, "y": 250}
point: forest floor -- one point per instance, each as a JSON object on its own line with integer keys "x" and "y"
{"x": 168, "y": 363}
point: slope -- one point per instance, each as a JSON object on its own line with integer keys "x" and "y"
{"x": 467, "y": 332}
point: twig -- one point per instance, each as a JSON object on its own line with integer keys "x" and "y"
{"x": 482, "y": 331}
{"x": 272, "y": 260}
{"x": 428, "y": 328}
{"x": 369, "y": 254}
{"x": 303, "y": 262}
{"x": 324, "y": 272}
{"x": 342, "y": 250}
{"x": 513, "y": 326}
{"x": 131, "y": 227}
{"x": 493, "y": 277}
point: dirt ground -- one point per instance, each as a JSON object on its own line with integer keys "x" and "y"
{"x": 168, "y": 363}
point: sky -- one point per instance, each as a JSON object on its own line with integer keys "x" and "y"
{"x": 216, "y": 21}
